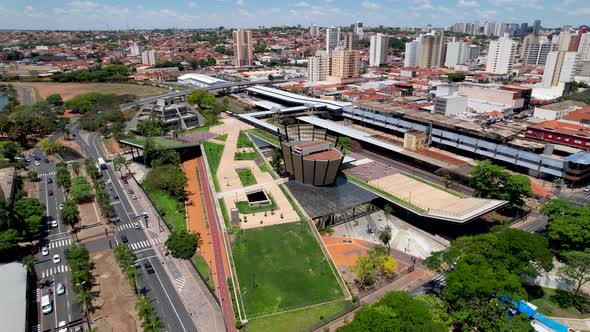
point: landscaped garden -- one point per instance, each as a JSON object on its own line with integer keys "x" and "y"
{"x": 246, "y": 177}
{"x": 244, "y": 207}
{"x": 171, "y": 210}
{"x": 245, "y": 155}
{"x": 244, "y": 141}
{"x": 282, "y": 267}
{"x": 213, "y": 152}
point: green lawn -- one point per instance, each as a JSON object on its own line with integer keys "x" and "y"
{"x": 160, "y": 142}
{"x": 264, "y": 135}
{"x": 213, "y": 152}
{"x": 245, "y": 155}
{"x": 170, "y": 209}
{"x": 245, "y": 208}
{"x": 246, "y": 177}
{"x": 264, "y": 167}
{"x": 282, "y": 267}
{"x": 204, "y": 270}
{"x": 300, "y": 320}
{"x": 222, "y": 138}
{"x": 244, "y": 141}
{"x": 225, "y": 216}
{"x": 555, "y": 303}
{"x": 290, "y": 199}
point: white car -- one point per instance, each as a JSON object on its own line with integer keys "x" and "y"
{"x": 44, "y": 251}
{"x": 136, "y": 225}
{"x": 63, "y": 326}
{"x": 61, "y": 206}
{"x": 54, "y": 223}
{"x": 60, "y": 289}
{"x": 37, "y": 163}
{"x": 134, "y": 196}
{"x": 587, "y": 189}
{"x": 109, "y": 181}
{"x": 56, "y": 259}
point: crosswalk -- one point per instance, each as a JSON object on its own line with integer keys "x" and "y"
{"x": 37, "y": 294}
{"x": 582, "y": 195}
{"x": 139, "y": 245}
{"x": 46, "y": 174}
{"x": 156, "y": 240}
{"x": 179, "y": 282}
{"x": 54, "y": 270}
{"x": 125, "y": 226}
{"x": 115, "y": 202}
{"x": 59, "y": 243}
{"x": 36, "y": 328}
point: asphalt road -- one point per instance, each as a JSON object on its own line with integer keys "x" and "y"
{"x": 26, "y": 94}
{"x": 57, "y": 239}
{"x": 157, "y": 286}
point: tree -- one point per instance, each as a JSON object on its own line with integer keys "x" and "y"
{"x": 32, "y": 176}
{"x": 76, "y": 167}
{"x": 30, "y": 212}
{"x": 81, "y": 191}
{"x": 118, "y": 162}
{"x": 396, "y": 311}
{"x": 569, "y": 227}
{"x": 8, "y": 240}
{"x": 153, "y": 324}
{"x": 387, "y": 210}
{"x": 168, "y": 178}
{"x": 144, "y": 308}
{"x": 345, "y": 142}
{"x": 29, "y": 263}
{"x": 456, "y": 77}
{"x": 438, "y": 309}
{"x": 493, "y": 181}
{"x": 201, "y": 98}
{"x": 385, "y": 237}
{"x": 55, "y": 99}
{"x": 10, "y": 149}
{"x": 183, "y": 244}
{"x": 277, "y": 161}
{"x": 152, "y": 126}
{"x": 377, "y": 262}
{"x": 50, "y": 147}
{"x": 576, "y": 268}
{"x": 69, "y": 213}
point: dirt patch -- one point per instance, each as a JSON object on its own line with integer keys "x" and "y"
{"x": 69, "y": 90}
{"x": 114, "y": 309}
{"x": 71, "y": 144}
{"x": 113, "y": 146}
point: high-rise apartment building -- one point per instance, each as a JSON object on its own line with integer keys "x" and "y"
{"x": 524, "y": 29}
{"x": 318, "y": 67}
{"x": 584, "y": 47}
{"x": 489, "y": 29}
{"x": 501, "y": 55}
{"x": 242, "y": 40}
{"x": 332, "y": 38}
{"x": 135, "y": 50}
{"x": 474, "y": 51}
{"x": 350, "y": 41}
{"x": 378, "y": 49}
{"x": 536, "y": 27}
{"x": 560, "y": 68}
{"x": 564, "y": 40}
{"x": 412, "y": 54}
{"x": 149, "y": 57}
{"x": 457, "y": 53}
{"x": 346, "y": 64}
{"x": 534, "y": 50}
{"x": 431, "y": 49}
{"x": 357, "y": 28}
{"x": 314, "y": 30}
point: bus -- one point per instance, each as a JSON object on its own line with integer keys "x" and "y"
{"x": 101, "y": 164}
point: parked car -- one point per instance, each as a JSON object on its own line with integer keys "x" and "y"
{"x": 148, "y": 266}
{"x": 54, "y": 223}
{"x": 134, "y": 196}
{"x": 61, "y": 206}
{"x": 63, "y": 326}
{"x": 124, "y": 239}
{"x": 60, "y": 289}
{"x": 46, "y": 305}
{"x": 37, "y": 163}
{"x": 109, "y": 181}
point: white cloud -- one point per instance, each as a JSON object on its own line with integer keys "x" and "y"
{"x": 302, "y": 4}
{"x": 370, "y": 5}
{"x": 240, "y": 2}
{"x": 467, "y": 3}
{"x": 193, "y": 4}
{"x": 486, "y": 13}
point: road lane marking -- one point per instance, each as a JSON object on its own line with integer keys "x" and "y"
{"x": 167, "y": 296}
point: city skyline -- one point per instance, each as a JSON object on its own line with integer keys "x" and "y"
{"x": 107, "y": 15}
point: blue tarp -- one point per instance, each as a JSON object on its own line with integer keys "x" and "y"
{"x": 526, "y": 309}
{"x": 555, "y": 326}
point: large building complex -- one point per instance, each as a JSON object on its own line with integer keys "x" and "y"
{"x": 242, "y": 41}
{"x": 501, "y": 55}
{"x": 172, "y": 112}
{"x": 378, "y": 49}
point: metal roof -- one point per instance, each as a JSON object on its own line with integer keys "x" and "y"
{"x": 582, "y": 158}
{"x": 13, "y": 302}
{"x": 295, "y": 98}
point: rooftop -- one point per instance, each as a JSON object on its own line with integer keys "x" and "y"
{"x": 578, "y": 115}
{"x": 563, "y": 127}
{"x": 562, "y": 105}
{"x": 13, "y": 304}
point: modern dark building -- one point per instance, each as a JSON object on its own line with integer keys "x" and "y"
{"x": 310, "y": 155}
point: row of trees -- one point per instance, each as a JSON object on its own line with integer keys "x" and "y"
{"x": 62, "y": 176}
{"x": 126, "y": 262}
{"x": 495, "y": 182}
{"x": 102, "y": 197}
{"x": 78, "y": 260}
{"x": 20, "y": 221}
{"x": 150, "y": 322}
{"x": 109, "y": 73}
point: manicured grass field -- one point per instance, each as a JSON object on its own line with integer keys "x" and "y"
{"x": 246, "y": 177}
{"x": 244, "y": 141}
{"x": 204, "y": 270}
{"x": 300, "y": 320}
{"x": 213, "y": 152}
{"x": 172, "y": 211}
{"x": 264, "y": 135}
{"x": 282, "y": 267}
{"x": 222, "y": 138}
{"x": 245, "y": 155}
{"x": 69, "y": 90}
{"x": 225, "y": 216}
{"x": 245, "y": 208}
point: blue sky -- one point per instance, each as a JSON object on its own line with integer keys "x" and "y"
{"x": 101, "y": 14}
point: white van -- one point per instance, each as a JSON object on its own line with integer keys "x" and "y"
{"x": 46, "y": 306}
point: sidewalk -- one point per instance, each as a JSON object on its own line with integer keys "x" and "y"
{"x": 197, "y": 299}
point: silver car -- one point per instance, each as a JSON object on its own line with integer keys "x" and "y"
{"x": 60, "y": 289}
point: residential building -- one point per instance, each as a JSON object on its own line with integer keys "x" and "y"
{"x": 318, "y": 67}
{"x": 431, "y": 49}
{"x": 474, "y": 51}
{"x": 135, "y": 50}
{"x": 457, "y": 53}
{"x": 332, "y": 38}
{"x": 584, "y": 47}
{"x": 501, "y": 55}
{"x": 345, "y": 64}
{"x": 536, "y": 27}
{"x": 489, "y": 28}
{"x": 149, "y": 58}
{"x": 350, "y": 41}
{"x": 157, "y": 74}
{"x": 535, "y": 49}
{"x": 564, "y": 41}
{"x": 560, "y": 68}
{"x": 378, "y": 49}
{"x": 450, "y": 105}
{"x": 524, "y": 28}
{"x": 314, "y": 30}
{"x": 357, "y": 28}
{"x": 242, "y": 40}
{"x": 412, "y": 54}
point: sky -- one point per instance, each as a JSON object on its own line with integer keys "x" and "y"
{"x": 122, "y": 14}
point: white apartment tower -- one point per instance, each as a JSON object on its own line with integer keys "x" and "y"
{"x": 535, "y": 49}
{"x": 584, "y": 47}
{"x": 149, "y": 58}
{"x": 314, "y": 30}
{"x": 412, "y": 54}
{"x": 501, "y": 55}
{"x": 357, "y": 28}
{"x": 332, "y": 38}
{"x": 474, "y": 51}
{"x": 318, "y": 67}
{"x": 457, "y": 53}
{"x": 378, "y": 49}
{"x": 242, "y": 40}
{"x": 560, "y": 68}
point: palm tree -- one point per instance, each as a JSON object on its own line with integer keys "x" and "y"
{"x": 152, "y": 324}
{"x": 85, "y": 298}
{"x": 29, "y": 263}
{"x": 144, "y": 308}
{"x": 385, "y": 237}
{"x": 132, "y": 277}
{"x": 76, "y": 167}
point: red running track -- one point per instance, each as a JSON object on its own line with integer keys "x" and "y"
{"x": 216, "y": 240}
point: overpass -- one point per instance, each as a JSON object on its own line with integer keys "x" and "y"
{"x": 222, "y": 86}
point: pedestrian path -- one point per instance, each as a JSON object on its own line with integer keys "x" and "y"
{"x": 155, "y": 241}
{"x": 180, "y": 282}
{"x": 46, "y": 174}
{"x": 59, "y": 243}
{"x": 54, "y": 270}
{"x": 139, "y": 245}
{"x": 582, "y": 196}
{"x": 125, "y": 226}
